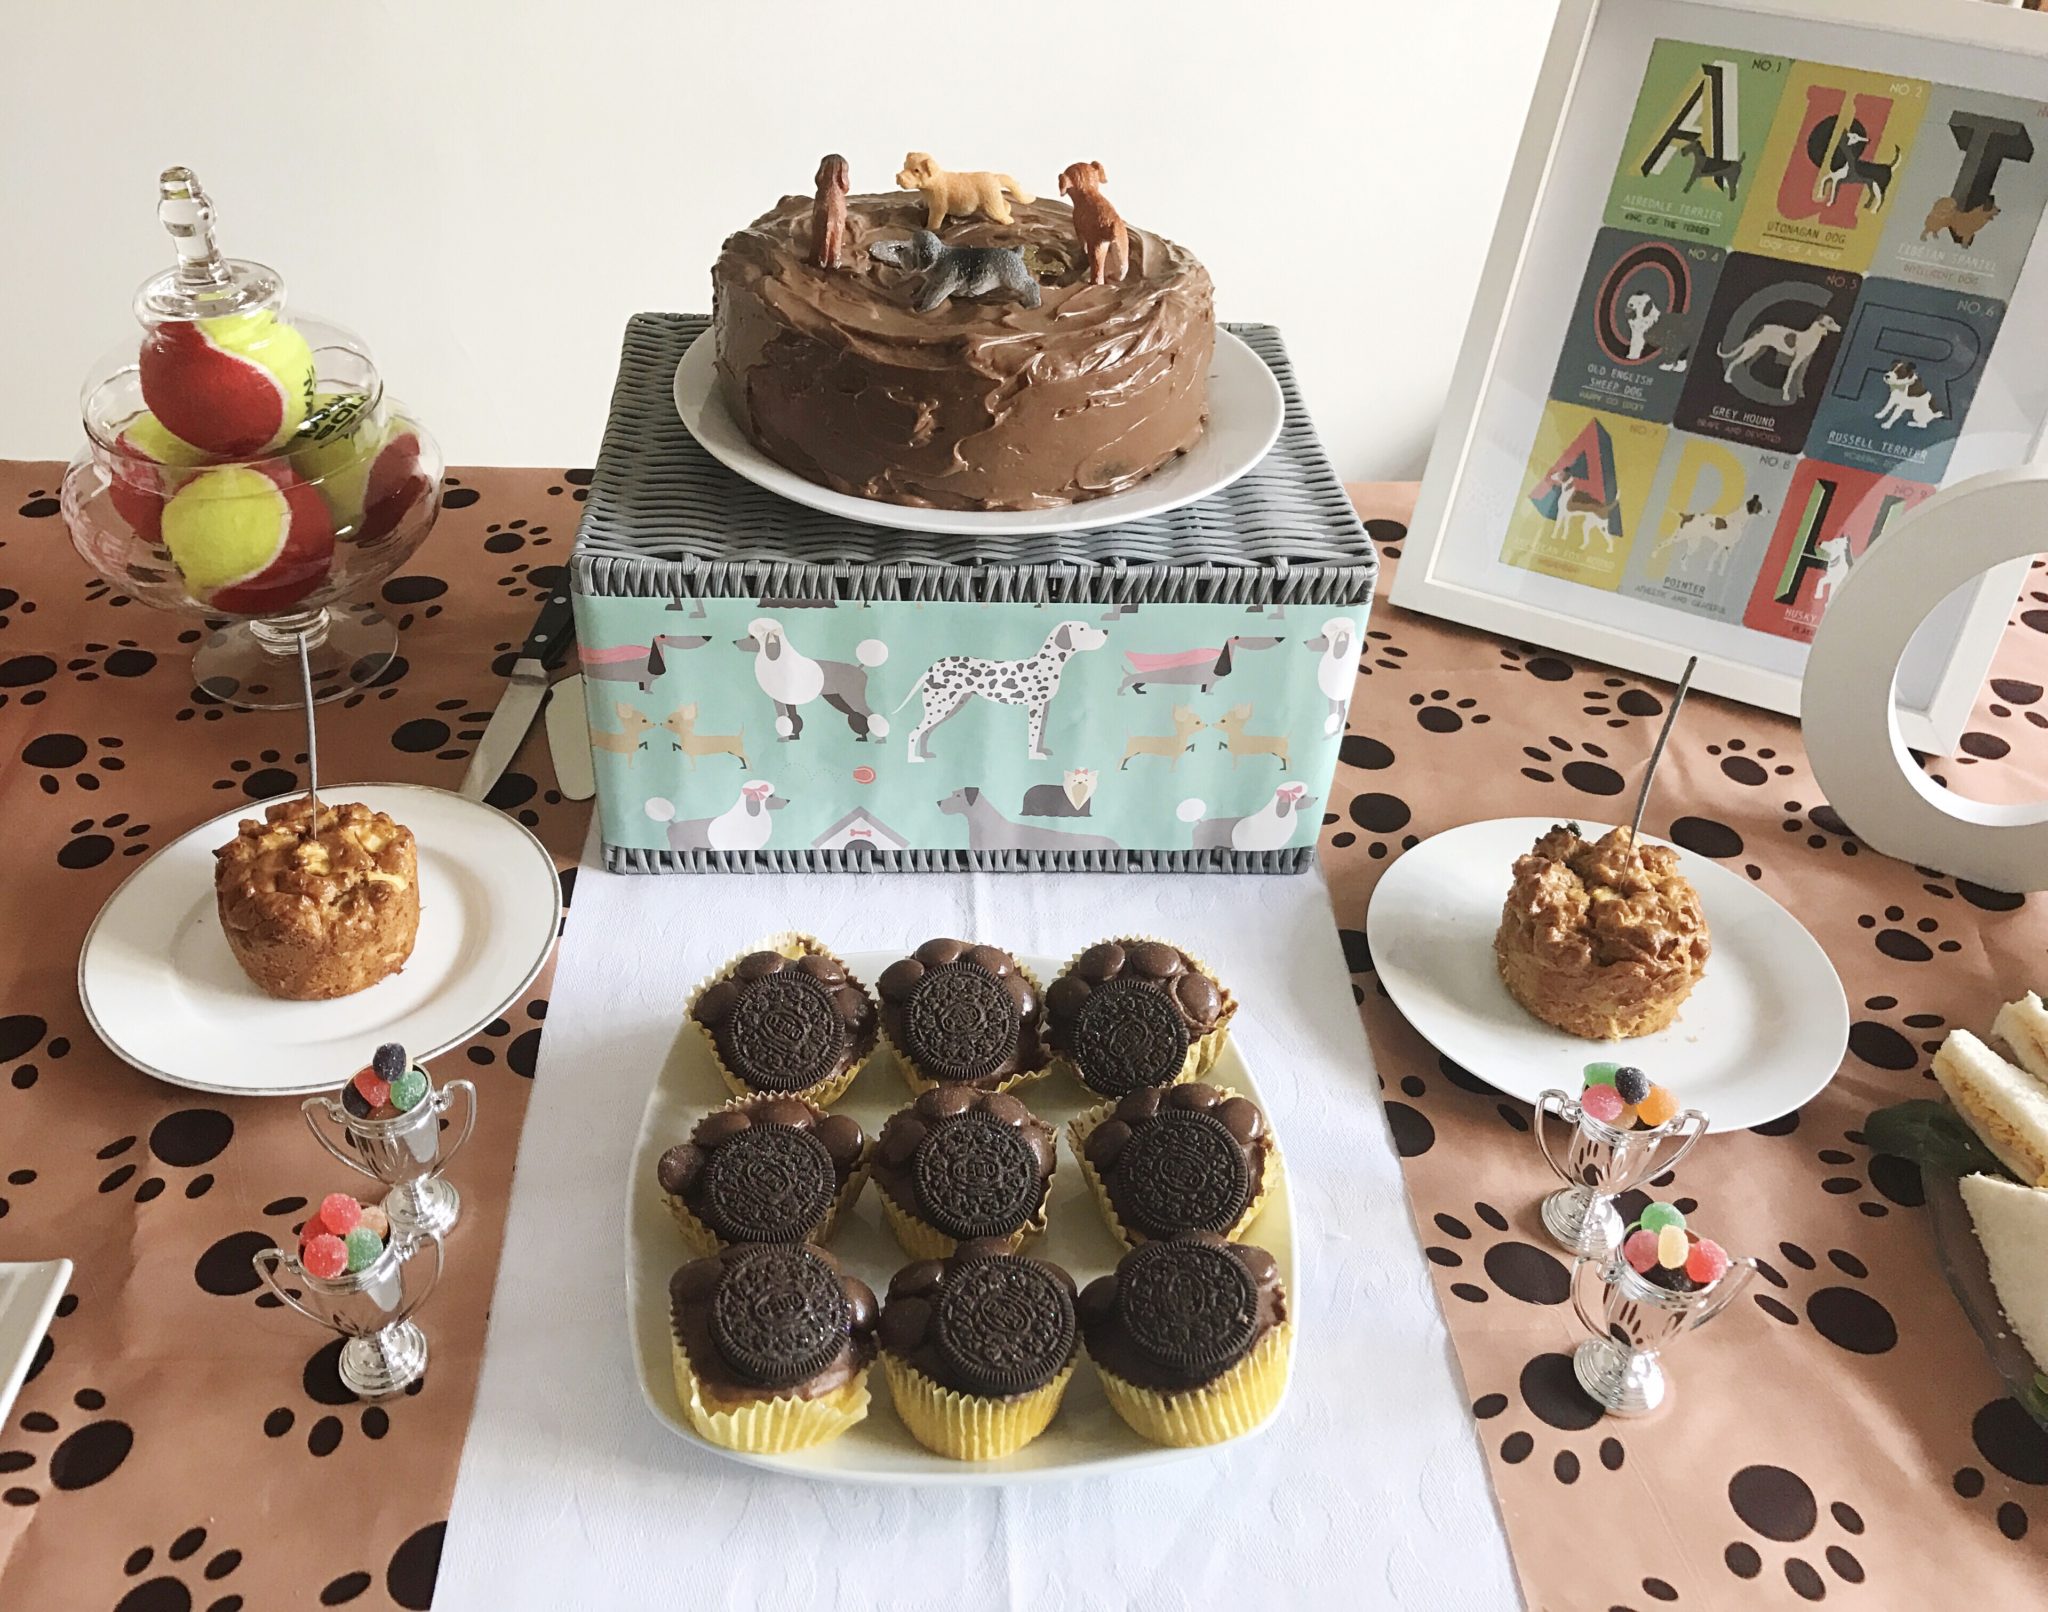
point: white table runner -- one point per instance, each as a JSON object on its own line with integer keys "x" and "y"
{"x": 1369, "y": 1491}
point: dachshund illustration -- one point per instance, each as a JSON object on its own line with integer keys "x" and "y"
{"x": 638, "y": 664}
{"x": 989, "y": 830}
{"x": 1337, "y": 670}
{"x": 1068, "y": 799}
{"x": 1795, "y": 348}
{"x": 1270, "y": 828}
{"x": 828, "y": 212}
{"x": 743, "y": 826}
{"x": 1962, "y": 225}
{"x": 958, "y": 194}
{"x": 792, "y": 680}
{"x": 1203, "y": 668}
{"x": 952, "y": 680}
{"x": 958, "y": 271}
{"x": 1097, "y": 224}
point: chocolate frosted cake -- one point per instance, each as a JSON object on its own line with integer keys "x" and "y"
{"x": 977, "y": 404}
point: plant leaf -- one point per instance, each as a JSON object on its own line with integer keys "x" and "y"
{"x": 1932, "y": 1135}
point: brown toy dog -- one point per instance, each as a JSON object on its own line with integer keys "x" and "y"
{"x": 1962, "y": 226}
{"x": 958, "y": 194}
{"x": 1097, "y": 224}
{"x": 828, "y": 212}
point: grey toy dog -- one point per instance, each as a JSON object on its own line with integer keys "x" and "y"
{"x": 958, "y": 271}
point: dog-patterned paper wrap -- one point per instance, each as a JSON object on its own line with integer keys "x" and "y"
{"x": 741, "y": 728}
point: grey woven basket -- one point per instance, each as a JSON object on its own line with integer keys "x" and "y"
{"x": 666, "y": 520}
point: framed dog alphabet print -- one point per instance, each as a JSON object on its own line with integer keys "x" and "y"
{"x": 1766, "y": 277}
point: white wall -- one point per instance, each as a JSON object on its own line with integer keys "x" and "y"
{"x": 486, "y": 191}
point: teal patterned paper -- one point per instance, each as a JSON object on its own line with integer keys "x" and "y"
{"x": 747, "y": 725}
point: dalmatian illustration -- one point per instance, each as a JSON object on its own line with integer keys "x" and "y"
{"x": 989, "y": 830}
{"x": 1270, "y": 828}
{"x": 1338, "y": 668}
{"x": 743, "y": 826}
{"x": 952, "y": 680}
{"x": 792, "y": 680}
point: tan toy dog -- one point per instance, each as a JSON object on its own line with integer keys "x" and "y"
{"x": 1097, "y": 224}
{"x": 958, "y": 194}
{"x": 828, "y": 212}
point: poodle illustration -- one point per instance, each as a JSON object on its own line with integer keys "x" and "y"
{"x": 1172, "y": 745}
{"x": 1338, "y": 668}
{"x": 1717, "y": 536}
{"x": 1908, "y": 399}
{"x": 1795, "y": 349}
{"x": 1201, "y": 668}
{"x": 1070, "y": 798}
{"x": 952, "y": 680}
{"x": 1232, "y": 725}
{"x": 792, "y": 680}
{"x": 989, "y": 830}
{"x": 638, "y": 664}
{"x": 687, "y": 741}
{"x": 1270, "y": 828}
{"x": 743, "y": 826}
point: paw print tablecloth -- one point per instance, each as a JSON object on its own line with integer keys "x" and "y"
{"x": 178, "y": 1445}
{"x": 1838, "y": 1436}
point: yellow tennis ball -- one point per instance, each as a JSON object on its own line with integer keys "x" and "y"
{"x": 248, "y": 539}
{"x": 235, "y": 386}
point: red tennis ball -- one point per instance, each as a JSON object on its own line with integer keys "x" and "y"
{"x": 236, "y": 386}
{"x": 370, "y": 478}
{"x": 249, "y": 539}
{"x": 395, "y": 488}
{"x": 146, "y": 471}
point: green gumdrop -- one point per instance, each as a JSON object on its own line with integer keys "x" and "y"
{"x": 364, "y": 1245}
{"x": 408, "y": 1089}
{"x": 1656, "y": 1216}
{"x": 1601, "y": 1074}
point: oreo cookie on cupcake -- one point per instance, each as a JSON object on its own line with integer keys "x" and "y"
{"x": 771, "y": 1345}
{"x": 1191, "y": 1337}
{"x": 1193, "y": 1157}
{"x": 957, "y": 1013}
{"x": 788, "y": 1020}
{"x": 978, "y": 1349}
{"x": 763, "y": 1170}
{"x": 1136, "y": 1012}
{"x": 961, "y": 1165}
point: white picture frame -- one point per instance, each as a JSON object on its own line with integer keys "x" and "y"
{"x": 1558, "y": 202}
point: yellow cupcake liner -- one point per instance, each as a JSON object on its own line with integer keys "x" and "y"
{"x": 921, "y": 1241}
{"x": 702, "y": 1241}
{"x": 1083, "y": 1125}
{"x": 792, "y": 944}
{"x": 1203, "y": 1051}
{"x": 767, "y": 1426}
{"x": 919, "y": 1082}
{"x": 1228, "y": 1408}
{"x": 966, "y": 1427}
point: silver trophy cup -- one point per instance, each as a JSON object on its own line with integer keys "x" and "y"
{"x": 404, "y": 1152}
{"x": 1638, "y": 1320}
{"x": 386, "y": 1351}
{"x": 1601, "y": 1161}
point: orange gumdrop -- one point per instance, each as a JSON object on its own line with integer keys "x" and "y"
{"x": 1659, "y": 1106}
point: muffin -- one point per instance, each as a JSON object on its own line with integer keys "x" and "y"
{"x": 958, "y": 1013}
{"x": 1193, "y": 1157}
{"x": 771, "y": 1346}
{"x": 318, "y": 902}
{"x": 763, "y": 1170}
{"x": 789, "y": 1021}
{"x": 1131, "y": 1012}
{"x": 978, "y": 1349}
{"x": 962, "y": 1165}
{"x": 1603, "y": 940}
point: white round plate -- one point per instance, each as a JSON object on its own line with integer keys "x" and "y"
{"x": 1086, "y": 1438}
{"x": 1763, "y": 1030}
{"x": 163, "y": 991}
{"x": 1245, "y": 413}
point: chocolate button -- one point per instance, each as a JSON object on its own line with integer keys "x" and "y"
{"x": 1190, "y": 1307}
{"x": 1128, "y": 1035}
{"x": 976, "y": 1177}
{"x": 959, "y": 1024}
{"x": 1182, "y": 1171}
{"x": 780, "y": 1315}
{"x": 784, "y": 1034}
{"x": 1003, "y": 1326}
{"x": 767, "y": 1184}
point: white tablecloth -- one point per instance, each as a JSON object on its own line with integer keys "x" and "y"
{"x": 1369, "y": 1491}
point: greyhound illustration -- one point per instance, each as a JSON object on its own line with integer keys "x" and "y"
{"x": 1203, "y": 668}
{"x": 792, "y": 680}
{"x": 952, "y": 680}
{"x": 638, "y": 664}
{"x": 1796, "y": 349}
{"x": 989, "y": 830}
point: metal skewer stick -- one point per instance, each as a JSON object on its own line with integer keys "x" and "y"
{"x": 313, "y": 737}
{"x": 1657, "y": 755}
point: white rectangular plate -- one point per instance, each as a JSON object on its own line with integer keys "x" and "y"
{"x": 28, "y": 1298}
{"x": 1085, "y": 1437}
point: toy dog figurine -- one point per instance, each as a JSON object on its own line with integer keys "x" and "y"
{"x": 1097, "y": 224}
{"x": 828, "y": 212}
{"x": 958, "y": 194}
{"x": 958, "y": 271}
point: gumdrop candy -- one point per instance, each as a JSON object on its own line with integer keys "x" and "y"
{"x": 1640, "y": 1249}
{"x": 1627, "y": 1121}
{"x": 1708, "y": 1261}
{"x": 1602, "y": 1102}
{"x": 389, "y": 1062}
{"x": 408, "y": 1089}
{"x": 376, "y": 1219}
{"x": 340, "y": 1213}
{"x": 355, "y": 1102}
{"x": 1659, "y": 1104}
{"x": 1673, "y": 1248}
{"x": 325, "y": 1256}
{"x": 1632, "y": 1083}
{"x": 1600, "y": 1074}
{"x": 364, "y": 1245}
{"x": 1656, "y": 1216}
{"x": 373, "y": 1089}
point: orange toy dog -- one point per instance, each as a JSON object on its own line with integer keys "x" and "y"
{"x": 828, "y": 212}
{"x": 1097, "y": 224}
{"x": 958, "y": 194}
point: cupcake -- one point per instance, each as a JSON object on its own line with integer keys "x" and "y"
{"x": 978, "y": 1349}
{"x": 1194, "y": 1157}
{"x": 771, "y": 1346}
{"x": 957, "y": 1013}
{"x": 1131, "y": 1013}
{"x": 1190, "y": 1337}
{"x": 788, "y": 1022}
{"x": 962, "y": 1165}
{"x": 763, "y": 1170}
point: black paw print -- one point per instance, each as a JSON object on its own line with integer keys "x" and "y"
{"x": 25, "y": 672}
{"x": 2007, "y": 692}
{"x": 419, "y": 590}
{"x": 225, "y": 1269}
{"x": 93, "y": 840}
{"x": 58, "y": 756}
{"x": 13, "y": 604}
{"x": 1586, "y": 771}
{"x": 199, "y": 703}
{"x": 1551, "y": 1393}
{"x": 2014, "y": 1444}
{"x": 536, "y": 580}
{"x": 323, "y": 1386}
{"x": 90, "y": 1453}
{"x": 174, "y": 1589}
{"x": 1848, "y": 1317}
{"x": 513, "y": 536}
{"x": 1779, "y": 1506}
{"x": 1906, "y": 945}
{"x": 425, "y": 733}
{"x": 1400, "y": 1116}
{"x": 523, "y": 1049}
{"x": 409, "y": 1575}
{"x": 456, "y": 496}
{"x": 125, "y": 658}
{"x": 1746, "y": 766}
{"x": 1518, "y": 1268}
{"x": 1388, "y": 534}
{"x": 22, "y": 1034}
{"x": 1617, "y": 701}
{"x": 578, "y": 485}
{"x": 180, "y": 1141}
{"x": 1377, "y": 814}
{"x": 1544, "y": 667}
{"x": 1381, "y": 652}
{"x": 40, "y": 504}
{"x": 1822, "y": 826}
{"x": 262, "y": 782}
{"x": 1435, "y": 712}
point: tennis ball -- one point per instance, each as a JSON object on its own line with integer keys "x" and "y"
{"x": 236, "y": 386}
{"x": 248, "y": 539}
{"x": 150, "y": 467}
{"x": 368, "y": 474}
